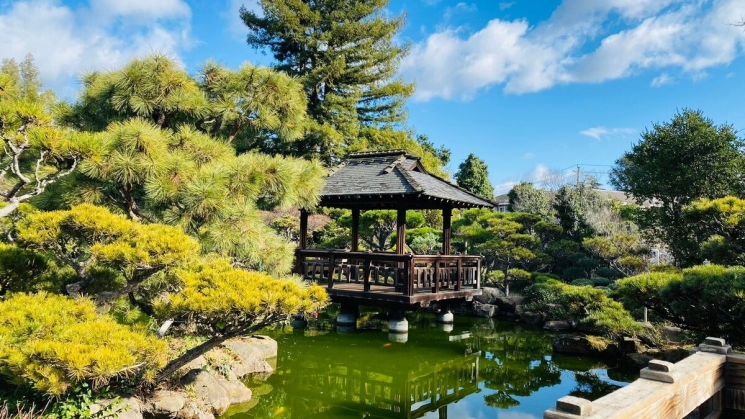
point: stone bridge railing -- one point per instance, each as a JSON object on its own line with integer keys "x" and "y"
{"x": 708, "y": 384}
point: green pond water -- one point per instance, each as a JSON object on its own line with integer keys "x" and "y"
{"x": 475, "y": 368}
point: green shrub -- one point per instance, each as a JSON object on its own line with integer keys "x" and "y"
{"x": 599, "y": 281}
{"x": 51, "y": 342}
{"x": 591, "y": 308}
{"x": 609, "y": 273}
{"x": 573, "y": 273}
{"x": 583, "y": 282}
{"x": 665, "y": 268}
{"x": 707, "y": 299}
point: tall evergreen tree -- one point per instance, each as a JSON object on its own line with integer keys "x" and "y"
{"x": 674, "y": 164}
{"x": 343, "y": 51}
{"x": 473, "y": 174}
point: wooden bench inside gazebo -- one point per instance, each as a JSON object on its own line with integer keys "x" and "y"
{"x": 391, "y": 180}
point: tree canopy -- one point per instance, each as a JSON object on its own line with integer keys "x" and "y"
{"x": 674, "y": 164}
{"x": 170, "y": 149}
{"x": 473, "y": 174}
{"x": 344, "y": 54}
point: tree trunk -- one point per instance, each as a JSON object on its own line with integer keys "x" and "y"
{"x": 12, "y": 206}
{"x": 201, "y": 349}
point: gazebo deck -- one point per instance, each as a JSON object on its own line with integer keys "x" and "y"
{"x": 405, "y": 280}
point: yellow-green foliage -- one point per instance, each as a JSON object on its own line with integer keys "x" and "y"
{"x": 25, "y": 270}
{"x": 51, "y": 342}
{"x": 218, "y": 297}
{"x": 708, "y": 299}
{"x": 590, "y": 307}
{"x": 88, "y": 237}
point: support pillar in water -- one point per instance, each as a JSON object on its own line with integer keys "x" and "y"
{"x": 398, "y": 323}
{"x": 445, "y": 317}
{"x": 348, "y": 315}
{"x": 298, "y": 321}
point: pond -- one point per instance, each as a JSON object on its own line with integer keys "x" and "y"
{"x": 475, "y": 368}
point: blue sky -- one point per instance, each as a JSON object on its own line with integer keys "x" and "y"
{"x": 530, "y": 86}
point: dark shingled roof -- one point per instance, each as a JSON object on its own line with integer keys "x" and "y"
{"x": 390, "y": 178}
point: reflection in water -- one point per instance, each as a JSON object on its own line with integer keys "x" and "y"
{"x": 498, "y": 368}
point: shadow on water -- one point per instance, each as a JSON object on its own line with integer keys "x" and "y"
{"x": 473, "y": 368}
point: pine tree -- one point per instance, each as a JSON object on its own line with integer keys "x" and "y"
{"x": 343, "y": 51}
{"x": 473, "y": 174}
{"x": 38, "y": 152}
{"x": 168, "y": 154}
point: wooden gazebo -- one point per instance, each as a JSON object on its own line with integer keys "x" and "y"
{"x": 391, "y": 180}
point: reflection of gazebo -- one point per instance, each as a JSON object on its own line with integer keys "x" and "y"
{"x": 391, "y": 180}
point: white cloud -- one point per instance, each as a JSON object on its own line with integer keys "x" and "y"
{"x": 529, "y": 155}
{"x": 662, "y": 80}
{"x": 506, "y": 5}
{"x": 574, "y": 46}
{"x": 102, "y": 35}
{"x": 601, "y": 132}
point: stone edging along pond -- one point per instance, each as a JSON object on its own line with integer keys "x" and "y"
{"x": 202, "y": 392}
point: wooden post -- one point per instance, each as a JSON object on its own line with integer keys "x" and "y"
{"x": 303, "y": 228}
{"x": 355, "y": 229}
{"x": 459, "y": 275}
{"x": 401, "y": 231}
{"x": 332, "y": 262}
{"x": 447, "y": 214}
{"x": 410, "y": 279}
{"x": 366, "y": 274}
{"x": 436, "y": 277}
{"x": 477, "y": 280}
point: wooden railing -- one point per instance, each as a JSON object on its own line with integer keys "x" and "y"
{"x": 708, "y": 384}
{"x": 407, "y": 274}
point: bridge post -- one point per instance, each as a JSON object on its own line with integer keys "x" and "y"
{"x": 397, "y": 322}
{"x": 346, "y": 321}
{"x": 445, "y": 316}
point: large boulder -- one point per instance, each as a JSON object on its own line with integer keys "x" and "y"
{"x": 508, "y": 304}
{"x": 125, "y": 408}
{"x": 531, "y": 318}
{"x": 253, "y": 353}
{"x": 578, "y": 345}
{"x": 237, "y": 391}
{"x": 488, "y": 295}
{"x": 164, "y": 404}
{"x": 208, "y": 390}
{"x": 673, "y": 334}
{"x": 484, "y": 310}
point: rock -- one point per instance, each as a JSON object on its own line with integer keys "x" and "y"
{"x": 578, "y": 345}
{"x": 237, "y": 391}
{"x": 673, "y": 334}
{"x": 557, "y": 326}
{"x": 630, "y": 346}
{"x": 253, "y": 353}
{"x": 508, "y": 304}
{"x": 488, "y": 295}
{"x": 208, "y": 390}
{"x": 126, "y": 408}
{"x": 164, "y": 404}
{"x": 531, "y": 318}
{"x": 197, "y": 363}
{"x": 486, "y": 311}
{"x": 638, "y": 360}
{"x": 192, "y": 410}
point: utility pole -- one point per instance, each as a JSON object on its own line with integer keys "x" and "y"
{"x": 576, "y": 183}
